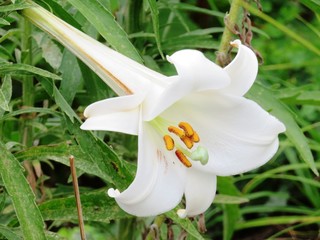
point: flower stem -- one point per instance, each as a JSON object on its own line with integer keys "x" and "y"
{"x": 27, "y": 97}
{"x": 154, "y": 229}
{"x": 231, "y": 20}
{"x": 26, "y": 47}
{"x": 77, "y": 196}
{"x": 27, "y": 81}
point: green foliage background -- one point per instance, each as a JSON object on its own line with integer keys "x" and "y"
{"x": 44, "y": 90}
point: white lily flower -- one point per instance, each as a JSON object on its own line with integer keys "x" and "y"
{"x": 192, "y": 127}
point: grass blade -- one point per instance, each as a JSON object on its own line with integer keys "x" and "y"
{"x": 107, "y": 26}
{"x": 23, "y": 199}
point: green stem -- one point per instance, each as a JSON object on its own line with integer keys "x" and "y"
{"x": 27, "y": 97}
{"x": 232, "y": 20}
{"x": 27, "y": 81}
{"x": 26, "y": 47}
{"x": 158, "y": 221}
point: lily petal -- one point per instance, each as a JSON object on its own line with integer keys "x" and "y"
{"x": 124, "y": 122}
{"x": 198, "y": 72}
{"x": 242, "y": 70}
{"x": 158, "y": 185}
{"x": 195, "y": 73}
{"x": 112, "y": 105}
{"x": 121, "y": 73}
{"x": 119, "y": 114}
{"x": 200, "y": 191}
{"x": 238, "y": 134}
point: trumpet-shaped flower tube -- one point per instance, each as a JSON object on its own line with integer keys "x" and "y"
{"x": 192, "y": 127}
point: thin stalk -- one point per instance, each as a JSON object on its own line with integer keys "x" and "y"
{"x": 27, "y": 81}
{"x": 27, "y": 96}
{"x": 77, "y": 196}
{"x": 154, "y": 228}
{"x": 26, "y": 47}
{"x": 231, "y": 20}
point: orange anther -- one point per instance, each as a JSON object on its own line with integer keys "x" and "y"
{"x": 187, "y": 141}
{"x": 183, "y": 159}
{"x": 186, "y": 128}
{"x": 168, "y": 142}
{"x": 195, "y": 137}
{"x": 177, "y": 131}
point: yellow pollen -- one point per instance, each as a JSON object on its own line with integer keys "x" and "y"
{"x": 187, "y": 141}
{"x": 195, "y": 137}
{"x": 183, "y": 159}
{"x": 177, "y": 131}
{"x": 186, "y": 128}
{"x": 168, "y": 142}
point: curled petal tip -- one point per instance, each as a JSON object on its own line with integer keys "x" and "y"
{"x": 169, "y": 59}
{"x": 113, "y": 192}
{"x": 182, "y": 213}
{"x": 236, "y": 43}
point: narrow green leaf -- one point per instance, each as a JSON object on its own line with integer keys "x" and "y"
{"x": 302, "y": 97}
{"x": 53, "y": 91}
{"x": 155, "y": 22}
{"x": 5, "y": 93}
{"x": 50, "y": 50}
{"x": 296, "y": 36}
{"x": 28, "y": 110}
{"x": 231, "y": 213}
{"x": 271, "y": 209}
{"x": 186, "y": 224}
{"x": 178, "y": 43}
{"x": 258, "y": 179}
{"x": 312, "y": 5}
{"x": 107, "y": 26}
{"x": 266, "y": 99}
{"x": 278, "y": 220}
{"x": 96, "y": 88}
{"x": 96, "y": 206}
{"x": 97, "y": 152}
{"x": 71, "y": 76}
{"x": 9, "y": 33}
{"x": 59, "y": 11}
{"x": 190, "y": 7}
{"x": 24, "y": 69}
{"x": 23, "y": 199}
{"x": 4, "y": 22}
{"x": 9, "y": 233}
{"x": 61, "y": 152}
{"x": 14, "y": 7}
{"x": 229, "y": 199}
{"x": 311, "y": 192}
{"x": 115, "y": 171}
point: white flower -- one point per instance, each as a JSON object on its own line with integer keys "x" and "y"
{"x": 192, "y": 127}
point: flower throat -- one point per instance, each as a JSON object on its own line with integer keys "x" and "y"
{"x": 188, "y": 136}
